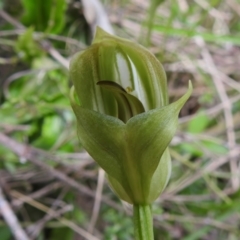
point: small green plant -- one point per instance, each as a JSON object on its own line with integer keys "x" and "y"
{"x": 118, "y": 225}
{"x": 125, "y": 122}
{"x": 45, "y": 15}
{"x": 26, "y": 48}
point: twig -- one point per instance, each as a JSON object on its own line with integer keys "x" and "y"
{"x": 234, "y": 5}
{"x": 45, "y": 44}
{"x": 209, "y": 168}
{"x": 97, "y": 202}
{"x": 205, "y": 221}
{"x": 11, "y": 20}
{"x": 36, "y": 229}
{"x": 96, "y": 15}
{"x": 185, "y": 198}
{"x": 183, "y": 5}
{"x": 67, "y": 40}
{"x": 11, "y": 219}
{"x": 35, "y": 156}
{"x": 212, "y": 11}
{"x": 14, "y": 77}
{"x": 64, "y": 221}
{"x": 211, "y": 111}
{"x": 43, "y": 191}
{"x": 210, "y": 65}
{"x": 7, "y": 128}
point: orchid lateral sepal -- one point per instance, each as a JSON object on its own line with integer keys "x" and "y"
{"x": 131, "y": 152}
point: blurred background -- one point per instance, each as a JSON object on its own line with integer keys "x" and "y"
{"x": 50, "y": 188}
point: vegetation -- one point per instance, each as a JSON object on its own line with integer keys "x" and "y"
{"x": 52, "y": 186}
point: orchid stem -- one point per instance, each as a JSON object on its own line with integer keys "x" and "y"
{"x": 143, "y": 223}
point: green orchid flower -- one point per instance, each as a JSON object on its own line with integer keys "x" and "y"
{"x": 124, "y": 120}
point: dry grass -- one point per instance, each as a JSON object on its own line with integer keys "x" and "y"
{"x": 43, "y": 183}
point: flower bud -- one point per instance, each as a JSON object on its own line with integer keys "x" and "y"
{"x": 123, "y": 116}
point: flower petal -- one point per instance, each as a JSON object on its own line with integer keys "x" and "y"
{"x": 147, "y": 137}
{"x": 131, "y": 152}
{"x": 128, "y": 105}
{"x": 150, "y": 82}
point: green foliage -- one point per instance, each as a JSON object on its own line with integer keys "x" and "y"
{"x": 191, "y": 149}
{"x": 5, "y": 233}
{"x": 199, "y": 123}
{"x": 119, "y": 226}
{"x": 215, "y": 147}
{"x": 45, "y": 15}
{"x": 52, "y": 126}
{"x": 221, "y": 212}
{"x": 27, "y": 48}
{"x": 1, "y": 4}
{"x": 207, "y": 36}
{"x": 154, "y": 4}
{"x": 62, "y": 233}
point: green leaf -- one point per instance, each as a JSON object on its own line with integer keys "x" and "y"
{"x": 56, "y": 19}
{"x": 44, "y": 15}
{"x": 26, "y": 47}
{"x": 154, "y": 4}
{"x": 215, "y": 147}
{"x": 5, "y": 232}
{"x": 207, "y": 36}
{"x": 191, "y": 148}
{"x": 199, "y": 123}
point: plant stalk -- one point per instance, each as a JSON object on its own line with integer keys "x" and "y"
{"x": 143, "y": 223}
